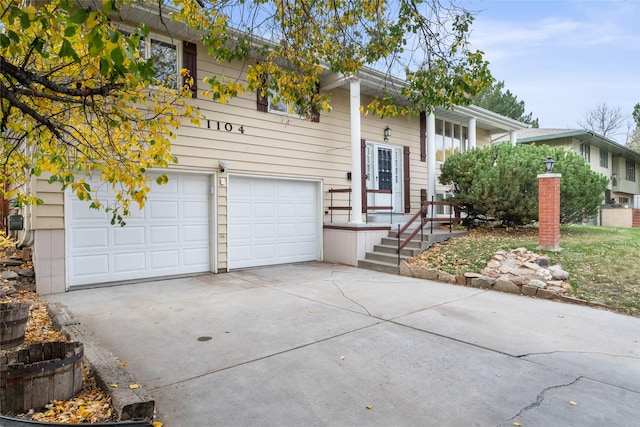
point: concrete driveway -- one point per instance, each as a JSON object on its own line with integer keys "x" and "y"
{"x": 319, "y": 344}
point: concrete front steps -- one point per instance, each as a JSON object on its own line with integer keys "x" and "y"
{"x": 384, "y": 256}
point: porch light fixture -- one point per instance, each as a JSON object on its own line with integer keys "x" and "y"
{"x": 387, "y": 134}
{"x": 224, "y": 164}
{"x": 548, "y": 164}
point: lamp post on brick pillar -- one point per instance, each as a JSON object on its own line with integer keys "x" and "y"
{"x": 549, "y": 208}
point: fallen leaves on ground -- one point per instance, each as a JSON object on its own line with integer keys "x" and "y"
{"x": 91, "y": 405}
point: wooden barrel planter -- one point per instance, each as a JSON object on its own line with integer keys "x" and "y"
{"x": 32, "y": 377}
{"x": 13, "y": 321}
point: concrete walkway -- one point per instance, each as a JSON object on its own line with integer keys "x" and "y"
{"x": 319, "y": 344}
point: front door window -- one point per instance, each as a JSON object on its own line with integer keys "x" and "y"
{"x": 384, "y": 172}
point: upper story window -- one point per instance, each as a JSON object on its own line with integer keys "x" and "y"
{"x": 631, "y": 171}
{"x": 604, "y": 158}
{"x": 450, "y": 138}
{"x": 585, "y": 152}
{"x": 282, "y": 107}
{"x": 165, "y": 55}
{"x": 267, "y": 104}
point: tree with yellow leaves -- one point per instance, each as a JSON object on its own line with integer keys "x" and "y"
{"x": 79, "y": 99}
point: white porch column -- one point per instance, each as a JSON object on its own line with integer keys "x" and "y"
{"x": 431, "y": 158}
{"x": 356, "y": 161}
{"x": 513, "y": 137}
{"x": 472, "y": 133}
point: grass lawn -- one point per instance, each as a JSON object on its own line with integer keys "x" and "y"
{"x": 603, "y": 262}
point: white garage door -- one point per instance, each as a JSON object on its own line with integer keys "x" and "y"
{"x": 169, "y": 236}
{"x": 272, "y": 221}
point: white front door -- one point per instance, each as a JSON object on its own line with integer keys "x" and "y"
{"x": 384, "y": 172}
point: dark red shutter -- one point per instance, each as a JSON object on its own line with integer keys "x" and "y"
{"x": 423, "y": 136}
{"x": 407, "y": 181}
{"x": 263, "y": 103}
{"x": 190, "y": 62}
{"x": 363, "y": 173}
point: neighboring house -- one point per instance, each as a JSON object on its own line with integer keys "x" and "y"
{"x": 617, "y": 162}
{"x": 252, "y": 185}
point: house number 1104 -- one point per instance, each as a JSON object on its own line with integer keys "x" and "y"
{"x": 223, "y": 126}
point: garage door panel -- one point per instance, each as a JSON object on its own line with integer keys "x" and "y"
{"x": 90, "y": 238}
{"x": 128, "y": 236}
{"x": 129, "y": 262}
{"x": 136, "y": 213}
{"x": 91, "y": 265}
{"x": 195, "y": 210}
{"x": 163, "y": 210}
{"x": 286, "y": 250}
{"x": 196, "y": 257}
{"x": 162, "y": 260}
{"x": 263, "y": 231}
{"x": 263, "y": 251}
{"x": 307, "y": 248}
{"x": 305, "y": 210}
{"x": 286, "y": 230}
{"x": 262, "y": 210}
{"x": 167, "y": 190}
{"x": 264, "y": 221}
{"x": 169, "y": 236}
{"x": 82, "y": 212}
{"x": 263, "y": 189}
{"x": 240, "y": 210}
{"x": 164, "y": 234}
{"x": 195, "y": 233}
{"x": 286, "y": 210}
{"x": 194, "y": 186}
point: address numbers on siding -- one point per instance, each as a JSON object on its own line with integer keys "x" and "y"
{"x": 227, "y": 127}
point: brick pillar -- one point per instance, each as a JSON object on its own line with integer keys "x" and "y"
{"x": 549, "y": 211}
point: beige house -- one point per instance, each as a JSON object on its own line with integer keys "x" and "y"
{"x": 253, "y": 183}
{"x": 621, "y": 164}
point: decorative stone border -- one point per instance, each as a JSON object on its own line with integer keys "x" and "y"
{"x": 516, "y": 272}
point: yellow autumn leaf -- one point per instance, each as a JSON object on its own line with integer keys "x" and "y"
{"x": 515, "y": 423}
{"x": 123, "y": 363}
{"x": 369, "y": 407}
{"x": 134, "y": 386}
{"x": 156, "y": 424}
{"x": 113, "y": 385}
{"x": 573, "y": 403}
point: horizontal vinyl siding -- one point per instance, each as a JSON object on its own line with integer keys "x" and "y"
{"x": 50, "y": 215}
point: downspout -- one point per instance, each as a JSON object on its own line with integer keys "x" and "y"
{"x": 28, "y": 236}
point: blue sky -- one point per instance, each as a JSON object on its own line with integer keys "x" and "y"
{"x": 562, "y": 57}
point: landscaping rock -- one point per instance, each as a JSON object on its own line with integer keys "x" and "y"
{"x": 505, "y": 285}
{"x": 529, "y": 291}
{"x": 483, "y": 282}
{"x": 446, "y": 277}
{"x": 546, "y": 294}
{"x": 26, "y": 273}
{"x": 558, "y": 273}
{"x": 9, "y": 275}
{"x": 537, "y": 283}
